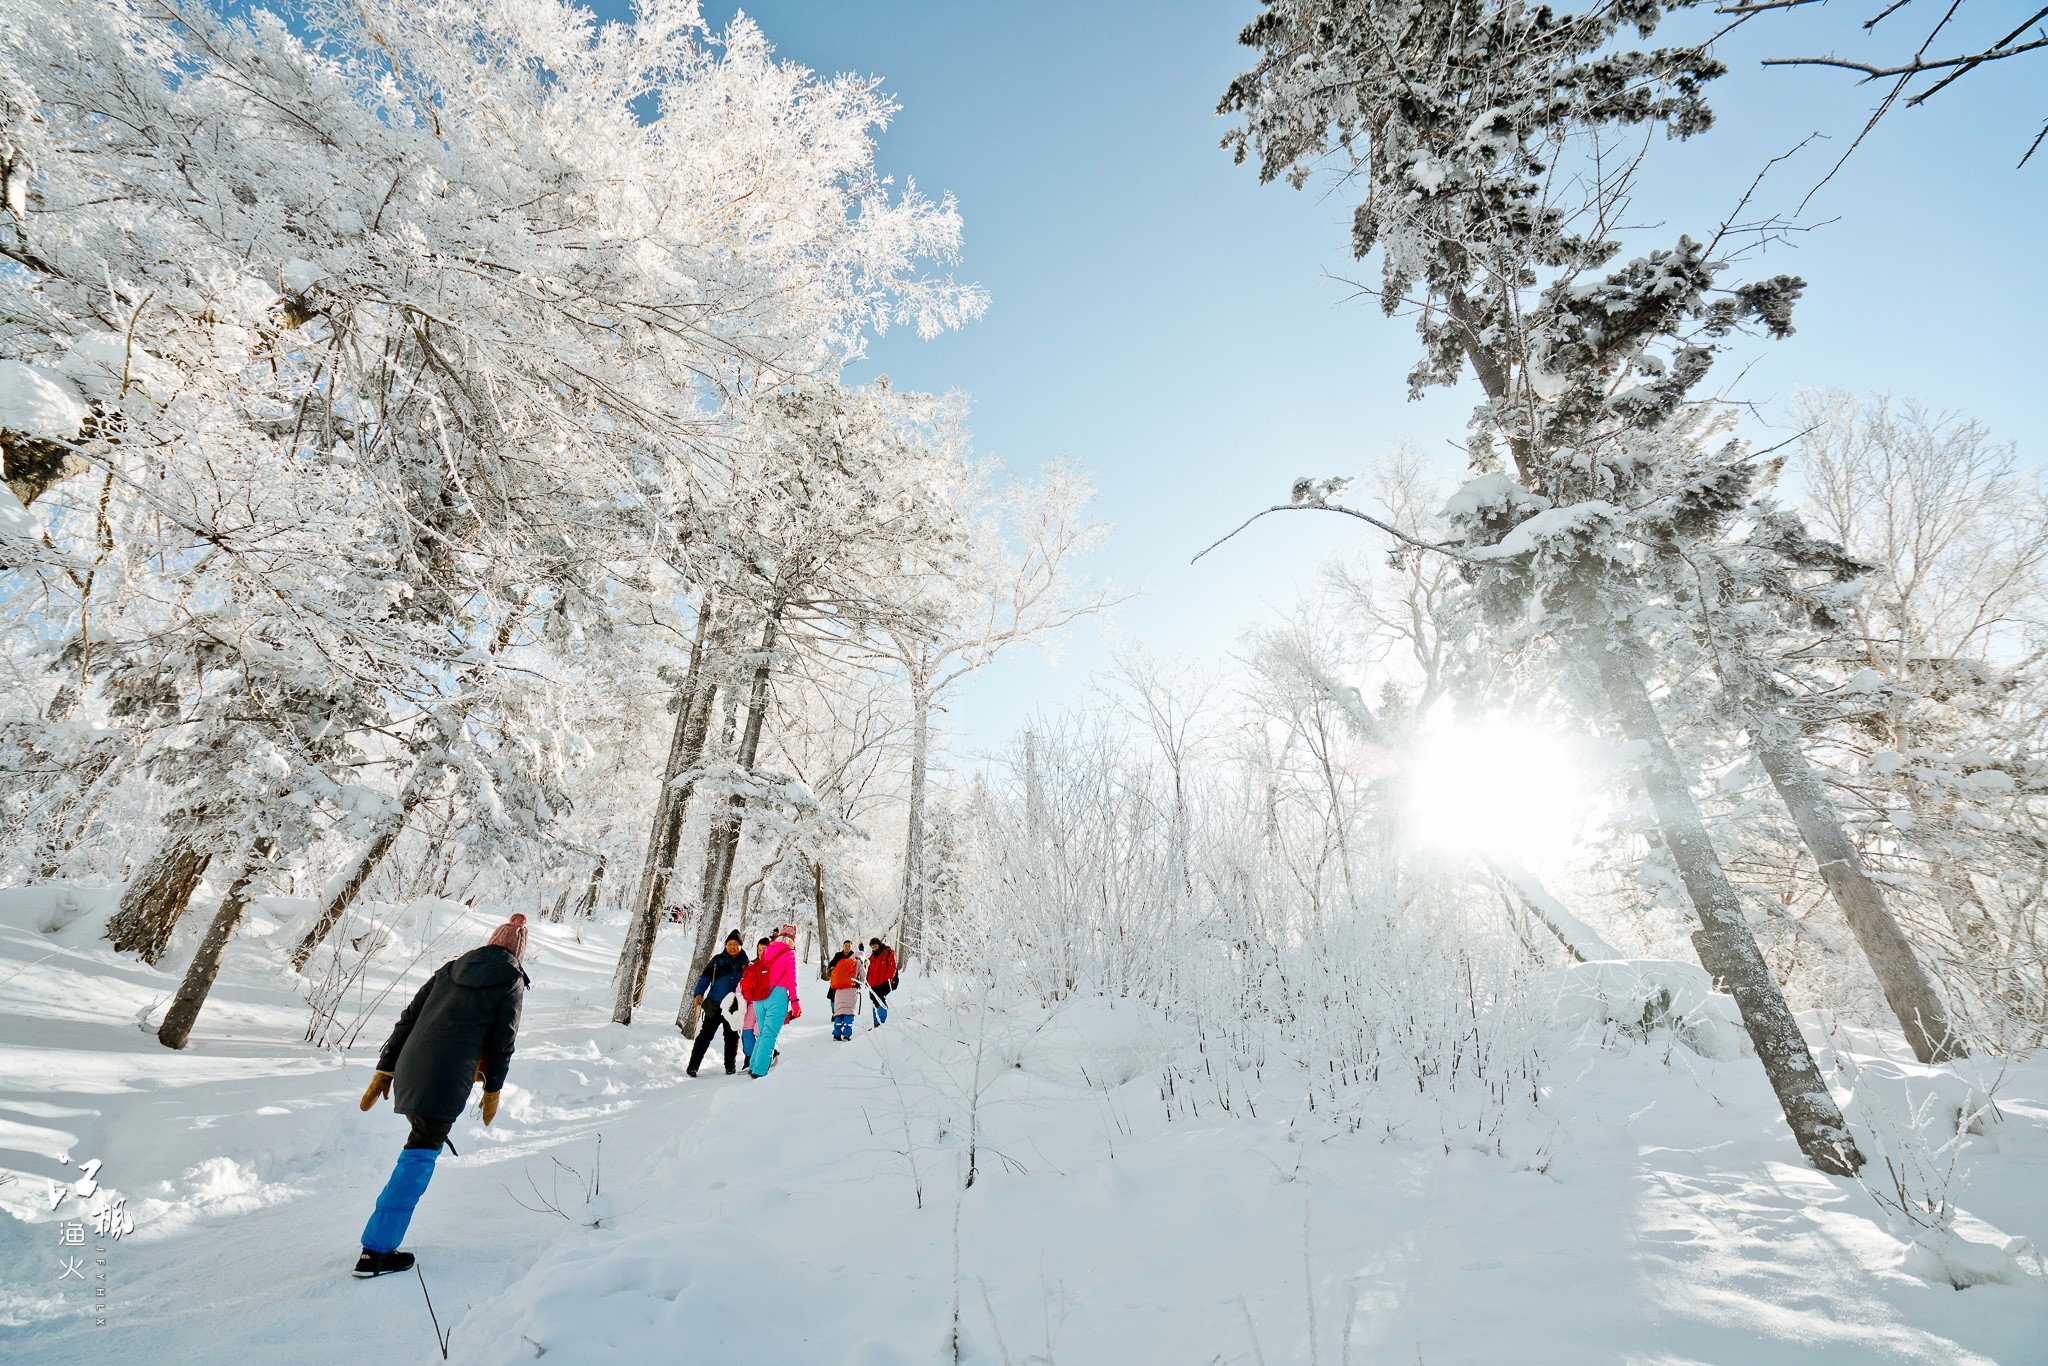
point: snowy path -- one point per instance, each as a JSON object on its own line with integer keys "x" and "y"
{"x": 779, "y": 1219}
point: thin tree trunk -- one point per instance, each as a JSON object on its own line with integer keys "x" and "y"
{"x": 199, "y": 977}
{"x": 818, "y": 899}
{"x": 723, "y": 846}
{"x": 1723, "y": 940}
{"x": 158, "y": 896}
{"x": 910, "y": 932}
{"x": 1907, "y": 988}
{"x": 586, "y": 905}
{"x": 343, "y": 891}
{"x": 671, "y": 808}
{"x": 1580, "y": 940}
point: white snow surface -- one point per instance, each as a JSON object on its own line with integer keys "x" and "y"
{"x": 15, "y": 520}
{"x": 38, "y": 403}
{"x": 1651, "y": 1209}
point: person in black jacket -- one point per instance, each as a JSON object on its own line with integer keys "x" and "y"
{"x": 720, "y": 979}
{"x": 460, "y": 1029}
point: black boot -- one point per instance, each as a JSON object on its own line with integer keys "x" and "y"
{"x": 381, "y": 1263}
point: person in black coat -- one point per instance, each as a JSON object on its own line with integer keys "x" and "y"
{"x": 720, "y": 979}
{"x": 460, "y": 1029}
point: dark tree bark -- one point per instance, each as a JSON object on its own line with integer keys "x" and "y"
{"x": 586, "y": 905}
{"x": 157, "y": 898}
{"x": 35, "y": 465}
{"x": 205, "y": 966}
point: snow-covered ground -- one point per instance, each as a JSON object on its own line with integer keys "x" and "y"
{"x": 1653, "y": 1209}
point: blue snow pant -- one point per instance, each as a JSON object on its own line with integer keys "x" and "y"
{"x": 747, "y": 1044}
{"x": 401, "y": 1194}
{"x": 769, "y": 1015}
{"x": 842, "y": 1026}
{"x": 881, "y": 999}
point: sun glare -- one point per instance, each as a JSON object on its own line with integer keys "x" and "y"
{"x": 1496, "y": 788}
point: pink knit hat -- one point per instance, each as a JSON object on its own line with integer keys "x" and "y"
{"x": 511, "y": 935}
{"x": 787, "y": 932}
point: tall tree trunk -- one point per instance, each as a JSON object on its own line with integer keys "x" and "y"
{"x": 1723, "y": 940}
{"x": 205, "y": 966}
{"x": 342, "y": 892}
{"x": 723, "y": 846}
{"x": 1907, "y": 987}
{"x": 818, "y": 901}
{"x": 347, "y": 886}
{"x": 158, "y": 896}
{"x": 586, "y": 905}
{"x": 671, "y": 808}
{"x": 911, "y": 927}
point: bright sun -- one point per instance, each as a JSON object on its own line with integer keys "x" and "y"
{"x": 1496, "y": 788}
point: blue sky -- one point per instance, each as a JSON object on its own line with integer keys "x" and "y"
{"x": 1181, "y": 331}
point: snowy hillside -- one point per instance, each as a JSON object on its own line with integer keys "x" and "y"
{"x": 1651, "y": 1208}
{"x": 468, "y": 580}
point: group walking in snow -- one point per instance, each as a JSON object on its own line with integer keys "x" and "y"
{"x": 462, "y": 1026}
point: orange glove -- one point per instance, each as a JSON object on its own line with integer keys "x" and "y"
{"x": 380, "y": 1086}
{"x": 490, "y": 1106}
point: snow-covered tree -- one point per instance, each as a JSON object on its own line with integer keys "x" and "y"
{"x": 1489, "y": 142}
{"x": 1017, "y": 584}
{"x": 414, "y": 328}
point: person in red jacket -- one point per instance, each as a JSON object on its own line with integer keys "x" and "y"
{"x": 845, "y": 983}
{"x": 881, "y": 977}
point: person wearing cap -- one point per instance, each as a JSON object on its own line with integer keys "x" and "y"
{"x": 720, "y": 979}
{"x": 779, "y": 958}
{"x": 460, "y": 1029}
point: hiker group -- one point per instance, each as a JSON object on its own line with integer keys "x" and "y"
{"x": 462, "y": 1025}
{"x": 749, "y": 1000}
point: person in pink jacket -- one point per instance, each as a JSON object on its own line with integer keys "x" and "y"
{"x": 781, "y": 1003}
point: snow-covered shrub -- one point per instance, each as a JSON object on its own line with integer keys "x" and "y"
{"x": 1345, "y": 983}
{"x": 1915, "y": 1124}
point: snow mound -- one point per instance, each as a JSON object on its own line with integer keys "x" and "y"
{"x": 1948, "y": 1258}
{"x": 58, "y": 907}
{"x": 101, "y": 364}
{"x": 37, "y": 403}
{"x": 1640, "y": 996}
{"x": 1095, "y": 1042}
